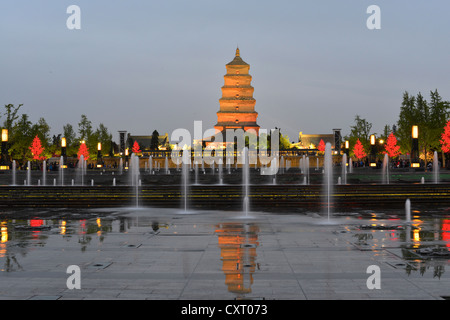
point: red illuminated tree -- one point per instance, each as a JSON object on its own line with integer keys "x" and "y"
{"x": 321, "y": 146}
{"x": 83, "y": 151}
{"x": 445, "y": 141}
{"x": 37, "y": 149}
{"x": 391, "y": 147}
{"x": 358, "y": 150}
{"x": 136, "y": 149}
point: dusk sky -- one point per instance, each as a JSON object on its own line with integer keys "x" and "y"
{"x": 146, "y": 65}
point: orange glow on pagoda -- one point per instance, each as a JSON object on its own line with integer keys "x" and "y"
{"x": 237, "y": 105}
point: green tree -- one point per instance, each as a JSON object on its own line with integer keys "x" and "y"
{"x": 104, "y": 137}
{"x": 154, "y": 142}
{"x": 360, "y": 131}
{"x": 71, "y": 140}
{"x": 429, "y": 116}
{"x": 21, "y": 139}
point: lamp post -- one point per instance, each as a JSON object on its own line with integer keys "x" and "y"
{"x": 347, "y": 148}
{"x": 373, "y": 151}
{"x": 4, "y": 163}
{"x": 126, "y": 159}
{"x": 415, "y": 162}
{"x": 99, "y": 155}
{"x": 64, "y": 151}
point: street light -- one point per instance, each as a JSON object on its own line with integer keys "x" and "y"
{"x": 373, "y": 151}
{"x": 415, "y": 163}
{"x": 99, "y": 155}
{"x": 4, "y": 164}
{"x": 347, "y": 147}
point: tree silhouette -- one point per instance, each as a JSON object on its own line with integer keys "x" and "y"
{"x": 37, "y": 149}
{"x": 358, "y": 150}
{"x": 391, "y": 147}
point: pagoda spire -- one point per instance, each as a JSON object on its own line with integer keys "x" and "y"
{"x": 237, "y": 52}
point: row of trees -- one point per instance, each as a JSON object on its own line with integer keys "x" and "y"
{"x": 28, "y": 140}
{"x": 432, "y": 118}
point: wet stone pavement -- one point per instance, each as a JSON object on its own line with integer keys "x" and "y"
{"x": 214, "y": 255}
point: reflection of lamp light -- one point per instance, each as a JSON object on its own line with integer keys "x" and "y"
{"x": 4, "y": 135}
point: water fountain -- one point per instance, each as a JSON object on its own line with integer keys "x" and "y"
{"x": 150, "y": 164}
{"x": 185, "y": 176}
{"x": 350, "y": 165}
{"x": 344, "y": 169}
{"x": 166, "y": 165}
{"x": 385, "y": 170}
{"x": 44, "y": 172}
{"x": 114, "y": 182}
{"x": 408, "y": 211}
{"x": 328, "y": 177}
{"x": 246, "y": 180}
{"x": 61, "y": 170}
{"x": 435, "y": 168}
{"x": 220, "y": 171}
{"x": 80, "y": 170}
{"x": 14, "y": 172}
{"x": 134, "y": 176}
{"x": 120, "y": 166}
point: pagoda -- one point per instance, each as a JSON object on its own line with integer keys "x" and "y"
{"x": 237, "y": 105}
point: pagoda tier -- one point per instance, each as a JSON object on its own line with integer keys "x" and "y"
{"x": 237, "y": 105}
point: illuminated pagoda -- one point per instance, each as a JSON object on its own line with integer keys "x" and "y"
{"x": 237, "y": 105}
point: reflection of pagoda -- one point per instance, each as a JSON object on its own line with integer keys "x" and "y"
{"x": 237, "y": 105}
{"x": 237, "y": 243}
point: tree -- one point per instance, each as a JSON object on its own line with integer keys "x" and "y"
{"x": 358, "y": 150}
{"x": 136, "y": 149}
{"x": 37, "y": 149}
{"x": 321, "y": 146}
{"x": 71, "y": 138}
{"x": 391, "y": 147}
{"x": 154, "y": 143}
{"x": 21, "y": 139}
{"x": 429, "y": 116}
{"x": 360, "y": 131}
{"x": 445, "y": 138}
{"x": 83, "y": 151}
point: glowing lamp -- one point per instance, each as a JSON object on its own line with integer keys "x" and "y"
{"x": 347, "y": 144}
{"x": 63, "y": 142}
{"x": 99, "y": 146}
{"x": 415, "y": 132}
{"x": 126, "y": 152}
{"x": 4, "y": 135}
{"x": 372, "y": 139}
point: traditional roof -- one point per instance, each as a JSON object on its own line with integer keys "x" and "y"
{"x": 237, "y": 60}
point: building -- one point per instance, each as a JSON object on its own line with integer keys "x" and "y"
{"x": 145, "y": 142}
{"x": 237, "y": 105}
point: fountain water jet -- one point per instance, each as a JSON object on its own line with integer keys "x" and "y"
{"x": 435, "y": 168}
{"x": 246, "y": 180}
{"x": 44, "y": 172}
{"x": 385, "y": 171}
{"x": 408, "y": 211}
{"x": 14, "y": 172}
{"x": 344, "y": 168}
{"x": 185, "y": 176}
{"x": 328, "y": 177}
{"x": 134, "y": 166}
